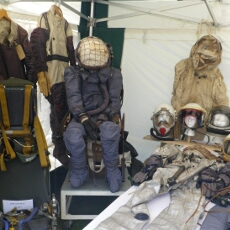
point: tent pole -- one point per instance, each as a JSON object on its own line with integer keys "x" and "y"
{"x": 211, "y": 13}
{"x": 91, "y": 18}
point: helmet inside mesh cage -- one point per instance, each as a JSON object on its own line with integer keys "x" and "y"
{"x": 92, "y": 53}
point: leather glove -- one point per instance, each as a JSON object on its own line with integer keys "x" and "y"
{"x": 224, "y": 174}
{"x": 207, "y": 175}
{"x": 44, "y": 83}
{"x": 152, "y": 163}
{"x": 223, "y": 179}
{"x": 207, "y": 182}
{"x": 89, "y": 126}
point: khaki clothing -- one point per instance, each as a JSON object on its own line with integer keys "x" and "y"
{"x": 52, "y": 44}
{"x": 198, "y": 79}
{"x": 207, "y": 89}
{"x": 56, "y": 45}
{"x": 4, "y": 31}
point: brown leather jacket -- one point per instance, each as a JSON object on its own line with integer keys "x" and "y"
{"x": 16, "y": 59}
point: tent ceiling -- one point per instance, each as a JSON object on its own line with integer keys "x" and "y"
{"x": 30, "y": 10}
{"x": 187, "y": 11}
{"x": 122, "y": 9}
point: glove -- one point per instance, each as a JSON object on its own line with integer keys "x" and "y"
{"x": 44, "y": 83}
{"x": 224, "y": 174}
{"x": 209, "y": 189}
{"x": 152, "y": 163}
{"x": 207, "y": 181}
{"x": 223, "y": 178}
{"x": 89, "y": 126}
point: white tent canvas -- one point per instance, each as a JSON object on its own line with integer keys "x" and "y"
{"x": 153, "y": 45}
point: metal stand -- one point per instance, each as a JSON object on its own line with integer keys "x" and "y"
{"x": 95, "y": 186}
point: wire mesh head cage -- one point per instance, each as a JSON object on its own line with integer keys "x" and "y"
{"x": 92, "y": 53}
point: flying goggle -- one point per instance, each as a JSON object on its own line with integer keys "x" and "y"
{"x": 163, "y": 117}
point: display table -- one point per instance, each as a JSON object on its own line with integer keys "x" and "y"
{"x": 155, "y": 206}
{"x": 210, "y": 147}
{"x": 95, "y": 186}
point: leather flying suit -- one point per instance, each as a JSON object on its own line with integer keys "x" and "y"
{"x": 85, "y": 95}
{"x": 52, "y": 44}
{"x": 16, "y": 57}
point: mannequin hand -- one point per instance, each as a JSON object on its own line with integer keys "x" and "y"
{"x": 89, "y": 126}
{"x": 44, "y": 83}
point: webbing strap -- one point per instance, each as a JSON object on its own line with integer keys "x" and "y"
{"x": 27, "y": 96}
{"x": 18, "y": 133}
{"x": 2, "y": 163}
{"x": 5, "y": 124}
{"x": 90, "y": 156}
{"x": 41, "y": 142}
{"x": 25, "y": 123}
{"x": 9, "y": 149}
{"x": 3, "y": 103}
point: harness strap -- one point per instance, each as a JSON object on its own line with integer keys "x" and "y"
{"x": 18, "y": 133}
{"x": 9, "y": 149}
{"x": 27, "y": 94}
{"x": 91, "y": 157}
{"x": 41, "y": 142}
{"x": 57, "y": 57}
{"x": 3, "y": 103}
{"x": 2, "y": 163}
{"x": 25, "y": 123}
{"x": 24, "y": 133}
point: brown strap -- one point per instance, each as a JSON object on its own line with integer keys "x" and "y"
{"x": 90, "y": 155}
{"x": 3, "y": 104}
{"x": 26, "y": 116}
{"x": 2, "y": 163}
{"x": 9, "y": 149}
{"x": 41, "y": 142}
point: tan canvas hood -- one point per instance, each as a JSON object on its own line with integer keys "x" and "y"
{"x": 206, "y": 53}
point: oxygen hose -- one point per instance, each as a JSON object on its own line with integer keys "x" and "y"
{"x": 105, "y": 103}
{"x": 160, "y": 138}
